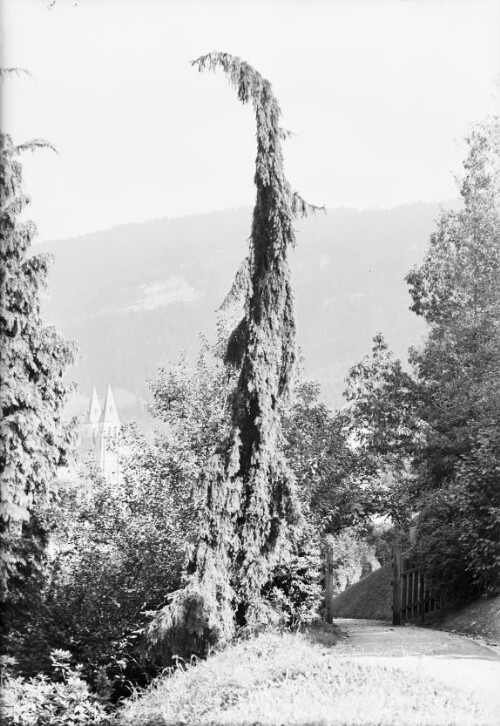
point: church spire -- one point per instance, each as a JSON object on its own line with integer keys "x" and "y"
{"x": 94, "y": 410}
{"x": 109, "y": 413}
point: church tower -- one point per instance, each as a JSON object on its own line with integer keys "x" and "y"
{"x": 109, "y": 428}
{"x": 99, "y": 436}
{"x": 90, "y": 429}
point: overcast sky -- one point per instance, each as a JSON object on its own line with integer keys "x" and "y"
{"x": 379, "y": 94}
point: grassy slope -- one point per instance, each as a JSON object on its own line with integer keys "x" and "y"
{"x": 479, "y": 619}
{"x": 296, "y": 679}
{"x": 369, "y": 598}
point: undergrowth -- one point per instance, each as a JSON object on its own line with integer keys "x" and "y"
{"x": 64, "y": 699}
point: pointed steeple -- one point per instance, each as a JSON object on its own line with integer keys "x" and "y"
{"x": 109, "y": 413}
{"x": 94, "y": 410}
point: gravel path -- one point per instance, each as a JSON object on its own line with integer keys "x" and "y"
{"x": 380, "y": 637}
{"x": 460, "y": 662}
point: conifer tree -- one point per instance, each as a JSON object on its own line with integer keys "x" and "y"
{"x": 251, "y": 507}
{"x": 33, "y": 360}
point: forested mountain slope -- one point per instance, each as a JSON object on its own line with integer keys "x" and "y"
{"x": 134, "y": 296}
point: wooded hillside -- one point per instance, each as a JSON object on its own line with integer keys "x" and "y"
{"x": 134, "y": 295}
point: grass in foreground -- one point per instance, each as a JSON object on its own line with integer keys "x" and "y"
{"x": 295, "y": 679}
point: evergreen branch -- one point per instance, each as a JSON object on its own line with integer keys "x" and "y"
{"x": 236, "y": 345}
{"x": 34, "y": 144}
{"x": 302, "y": 208}
{"x": 250, "y": 85}
{"x": 5, "y": 72}
{"x": 242, "y": 284}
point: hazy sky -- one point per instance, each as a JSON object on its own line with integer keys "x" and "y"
{"x": 379, "y": 94}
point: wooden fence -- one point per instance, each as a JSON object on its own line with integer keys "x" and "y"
{"x": 413, "y": 600}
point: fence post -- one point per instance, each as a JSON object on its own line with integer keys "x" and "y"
{"x": 421, "y": 597}
{"x": 404, "y": 579}
{"x": 396, "y": 585}
{"x": 328, "y": 581}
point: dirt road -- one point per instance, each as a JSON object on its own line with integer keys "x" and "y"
{"x": 423, "y": 653}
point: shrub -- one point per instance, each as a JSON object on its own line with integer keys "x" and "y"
{"x": 295, "y": 591}
{"x": 62, "y": 701}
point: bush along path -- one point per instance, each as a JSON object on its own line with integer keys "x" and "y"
{"x": 352, "y": 673}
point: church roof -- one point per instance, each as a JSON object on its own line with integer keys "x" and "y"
{"x": 109, "y": 412}
{"x": 95, "y": 409}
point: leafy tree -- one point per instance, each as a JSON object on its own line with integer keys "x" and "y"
{"x": 437, "y": 427}
{"x": 386, "y": 430}
{"x": 457, "y": 291}
{"x": 33, "y": 360}
{"x": 193, "y": 407}
{"x": 332, "y": 476}
{"x": 251, "y": 508}
{"x": 383, "y": 424}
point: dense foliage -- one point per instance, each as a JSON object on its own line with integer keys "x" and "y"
{"x": 33, "y": 360}
{"x": 437, "y": 426}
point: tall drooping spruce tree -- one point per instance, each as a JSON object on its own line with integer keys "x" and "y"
{"x": 33, "y": 391}
{"x": 251, "y": 507}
